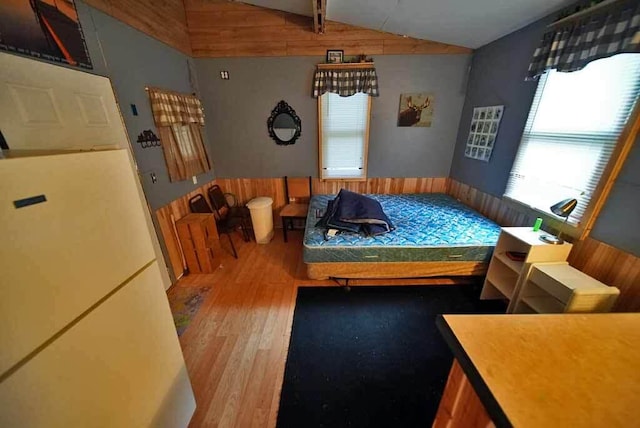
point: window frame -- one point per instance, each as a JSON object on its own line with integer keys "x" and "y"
{"x": 365, "y": 162}
{"x": 623, "y": 146}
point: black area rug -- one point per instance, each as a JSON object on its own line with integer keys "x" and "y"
{"x": 371, "y": 356}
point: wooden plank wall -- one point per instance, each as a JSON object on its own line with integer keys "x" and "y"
{"x": 606, "y": 263}
{"x": 219, "y": 28}
{"x": 488, "y": 205}
{"x": 246, "y": 189}
{"x": 166, "y": 216}
{"x": 611, "y": 266}
{"x": 603, "y": 262}
{"x": 163, "y": 20}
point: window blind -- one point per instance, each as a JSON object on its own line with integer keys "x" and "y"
{"x": 184, "y": 140}
{"x": 345, "y": 124}
{"x": 572, "y": 129}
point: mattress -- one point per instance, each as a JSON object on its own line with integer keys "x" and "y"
{"x": 429, "y": 227}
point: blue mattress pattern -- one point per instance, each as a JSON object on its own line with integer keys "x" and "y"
{"x": 429, "y": 227}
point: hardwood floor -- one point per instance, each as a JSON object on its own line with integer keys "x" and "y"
{"x": 236, "y": 346}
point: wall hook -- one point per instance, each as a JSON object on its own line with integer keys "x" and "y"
{"x": 148, "y": 139}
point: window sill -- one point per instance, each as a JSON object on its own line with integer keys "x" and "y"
{"x": 553, "y": 224}
{"x": 349, "y": 180}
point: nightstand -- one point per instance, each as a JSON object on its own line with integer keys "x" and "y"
{"x": 558, "y": 287}
{"x": 506, "y": 276}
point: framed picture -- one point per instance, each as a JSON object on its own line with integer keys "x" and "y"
{"x": 415, "y": 110}
{"x": 483, "y": 130}
{"x": 46, "y": 29}
{"x": 335, "y": 56}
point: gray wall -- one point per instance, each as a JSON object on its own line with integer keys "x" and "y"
{"x": 497, "y": 77}
{"x": 619, "y": 221}
{"x": 237, "y": 110}
{"x": 133, "y": 60}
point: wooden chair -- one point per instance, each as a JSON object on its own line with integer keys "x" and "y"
{"x": 198, "y": 204}
{"x": 297, "y": 193}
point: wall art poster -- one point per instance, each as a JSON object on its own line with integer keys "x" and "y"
{"x": 485, "y": 123}
{"x": 46, "y": 29}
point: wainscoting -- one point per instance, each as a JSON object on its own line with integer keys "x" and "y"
{"x": 597, "y": 259}
{"x": 601, "y": 261}
{"x": 246, "y": 189}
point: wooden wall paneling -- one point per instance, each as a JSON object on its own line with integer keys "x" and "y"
{"x": 611, "y": 266}
{"x": 166, "y": 217}
{"x": 165, "y": 20}
{"x": 227, "y": 29}
{"x": 488, "y": 205}
{"x": 603, "y": 262}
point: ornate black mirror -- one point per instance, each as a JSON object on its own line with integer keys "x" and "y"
{"x": 284, "y": 124}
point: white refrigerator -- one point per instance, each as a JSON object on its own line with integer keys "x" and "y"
{"x": 86, "y": 333}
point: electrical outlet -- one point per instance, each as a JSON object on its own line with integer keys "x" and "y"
{"x": 224, "y": 75}
{"x": 195, "y": 179}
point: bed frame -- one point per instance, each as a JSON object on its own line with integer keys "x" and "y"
{"x": 395, "y": 269}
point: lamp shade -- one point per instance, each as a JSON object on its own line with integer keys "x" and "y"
{"x": 564, "y": 208}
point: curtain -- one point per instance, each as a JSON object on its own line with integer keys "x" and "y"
{"x": 184, "y": 151}
{"x": 180, "y": 119}
{"x": 170, "y": 108}
{"x": 574, "y": 44}
{"x": 345, "y": 82}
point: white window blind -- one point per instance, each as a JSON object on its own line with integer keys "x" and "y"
{"x": 183, "y": 137}
{"x": 344, "y": 129}
{"x": 573, "y": 127}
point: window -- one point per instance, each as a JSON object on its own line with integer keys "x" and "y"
{"x": 344, "y": 135}
{"x": 185, "y": 141}
{"x": 179, "y": 119}
{"x": 184, "y": 151}
{"x": 572, "y": 130}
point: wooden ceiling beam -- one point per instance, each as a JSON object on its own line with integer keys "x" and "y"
{"x": 319, "y": 15}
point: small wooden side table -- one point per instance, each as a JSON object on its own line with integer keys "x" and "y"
{"x": 558, "y": 287}
{"x": 200, "y": 242}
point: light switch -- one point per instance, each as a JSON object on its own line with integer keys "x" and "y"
{"x": 195, "y": 179}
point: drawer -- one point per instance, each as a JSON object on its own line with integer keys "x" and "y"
{"x": 550, "y": 285}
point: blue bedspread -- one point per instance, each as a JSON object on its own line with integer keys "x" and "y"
{"x": 429, "y": 227}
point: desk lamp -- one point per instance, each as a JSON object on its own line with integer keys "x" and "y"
{"x": 561, "y": 209}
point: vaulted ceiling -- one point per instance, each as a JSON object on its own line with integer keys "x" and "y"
{"x": 469, "y": 23}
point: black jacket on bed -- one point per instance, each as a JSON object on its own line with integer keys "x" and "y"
{"x": 353, "y": 212}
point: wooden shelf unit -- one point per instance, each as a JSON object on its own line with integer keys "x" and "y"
{"x": 558, "y": 288}
{"x": 505, "y": 276}
{"x": 200, "y": 242}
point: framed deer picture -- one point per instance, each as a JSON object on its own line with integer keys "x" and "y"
{"x": 415, "y": 110}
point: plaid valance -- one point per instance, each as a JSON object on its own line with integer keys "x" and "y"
{"x": 170, "y": 108}
{"x": 345, "y": 82}
{"x": 571, "y": 46}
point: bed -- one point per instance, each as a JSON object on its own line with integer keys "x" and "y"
{"x": 435, "y": 235}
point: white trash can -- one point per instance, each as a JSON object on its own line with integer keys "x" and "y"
{"x": 262, "y": 218}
